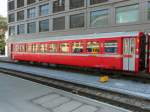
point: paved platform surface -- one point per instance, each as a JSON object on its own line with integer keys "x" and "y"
{"x": 19, "y": 95}
{"x": 122, "y": 86}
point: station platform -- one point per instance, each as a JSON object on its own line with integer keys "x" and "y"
{"x": 19, "y": 95}
{"x": 117, "y": 85}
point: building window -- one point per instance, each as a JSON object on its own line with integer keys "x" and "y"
{"x": 31, "y": 27}
{"x": 21, "y": 29}
{"x": 148, "y": 10}
{"x": 44, "y": 10}
{"x": 11, "y": 18}
{"x": 12, "y": 30}
{"x": 58, "y": 5}
{"x": 20, "y": 3}
{"x": 76, "y": 4}
{"x": 99, "y": 18}
{"x": 44, "y": 25}
{"x": 31, "y": 13}
{"x": 127, "y": 14}
{"x": 30, "y": 1}
{"x": 11, "y": 5}
{"x": 77, "y": 21}
{"x": 59, "y": 23}
{"x": 20, "y": 15}
{"x": 97, "y": 1}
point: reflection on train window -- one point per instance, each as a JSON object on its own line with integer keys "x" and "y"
{"x": 64, "y": 47}
{"x": 29, "y": 48}
{"x": 33, "y": 48}
{"x": 14, "y": 48}
{"x": 111, "y": 47}
{"x": 36, "y": 48}
{"x": 17, "y": 48}
{"x": 132, "y": 44}
{"x": 52, "y": 48}
{"x": 20, "y": 48}
{"x": 42, "y": 48}
{"x": 93, "y": 47}
{"x": 125, "y": 46}
{"x": 23, "y": 49}
{"x": 77, "y": 47}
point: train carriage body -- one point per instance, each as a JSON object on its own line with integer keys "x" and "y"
{"x": 123, "y": 51}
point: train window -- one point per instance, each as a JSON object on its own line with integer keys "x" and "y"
{"x": 13, "y": 48}
{"x": 37, "y": 48}
{"x": 52, "y": 48}
{"x": 22, "y": 48}
{"x": 34, "y": 48}
{"x": 29, "y": 48}
{"x": 42, "y": 48}
{"x": 77, "y": 47}
{"x": 93, "y": 47}
{"x": 125, "y": 46}
{"x": 45, "y": 48}
{"x": 111, "y": 47}
{"x": 16, "y": 48}
{"x": 64, "y": 47}
{"x": 132, "y": 44}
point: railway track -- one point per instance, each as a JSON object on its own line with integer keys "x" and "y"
{"x": 133, "y": 103}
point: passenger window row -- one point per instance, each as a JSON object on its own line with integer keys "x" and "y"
{"x": 66, "y": 47}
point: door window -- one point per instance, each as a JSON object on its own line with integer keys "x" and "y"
{"x": 132, "y": 46}
{"x": 125, "y": 46}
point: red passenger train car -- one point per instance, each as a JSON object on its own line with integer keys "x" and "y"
{"x": 122, "y": 51}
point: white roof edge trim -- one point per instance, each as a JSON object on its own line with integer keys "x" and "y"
{"x": 88, "y": 36}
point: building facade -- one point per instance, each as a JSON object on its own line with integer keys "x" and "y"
{"x": 38, "y": 20}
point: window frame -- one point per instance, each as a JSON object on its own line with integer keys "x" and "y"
{"x": 19, "y": 31}
{"x": 56, "y": 47}
{"x": 76, "y": 27}
{"x": 11, "y": 5}
{"x": 59, "y": 8}
{"x": 20, "y": 3}
{"x": 111, "y": 41}
{"x": 126, "y": 6}
{"x": 148, "y": 11}
{"x": 76, "y": 7}
{"x": 20, "y": 15}
{"x": 29, "y": 2}
{"x": 44, "y": 12}
{"x": 29, "y": 13}
{"x": 83, "y": 46}
{"x": 55, "y": 22}
{"x": 68, "y": 46}
{"x": 93, "y": 52}
{"x": 40, "y": 25}
{"x": 29, "y": 31}
{"x": 11, "y": 17}
{"x": 10, "y": 29}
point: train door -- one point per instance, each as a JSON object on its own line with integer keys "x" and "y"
{"x": 11, "y": 50}
{"x": 129, "y": 55}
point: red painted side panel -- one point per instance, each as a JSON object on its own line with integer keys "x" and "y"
{"x": 114, "y": 63}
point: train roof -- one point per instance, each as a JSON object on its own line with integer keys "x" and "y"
{"x": 88, "y": 36}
